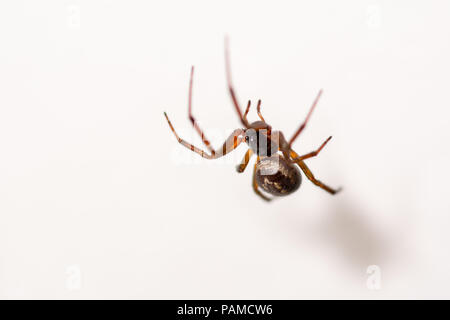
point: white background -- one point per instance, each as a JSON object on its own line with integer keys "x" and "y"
{"x": 97, "y": 199}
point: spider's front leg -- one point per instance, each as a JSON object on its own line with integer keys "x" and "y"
{"x": 241, "y": 167}
{"x": 192, "y": 118}
{"x": 258, "y": 110}
{"x": 231, "y": 88}
{"x": 231, "y": 143}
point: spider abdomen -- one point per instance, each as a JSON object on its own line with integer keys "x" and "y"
{"x": 277, "y": 176}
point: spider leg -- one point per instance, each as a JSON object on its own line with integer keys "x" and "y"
{"x": 241, "y": 167}
{"x": 247, "y": 110}
{"x": 229, "y": 145}
{"x": 230, "y": 86}
{"x": 258, "y": 109}
{"x": 300, "y": 129}
{"x": 310, "y": 175}
{"x": 283, "y": 145}
{"x": 291, "y": 155}
{"x": 313, "y": 153}
{"x": 191, "y": 117}
{"x": 255, "y": 185}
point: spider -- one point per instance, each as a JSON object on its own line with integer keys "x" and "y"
{"x": 275, "y": 169}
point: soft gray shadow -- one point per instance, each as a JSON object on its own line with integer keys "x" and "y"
{"x": 358, "y": 241}
{"x": 346, "y": 232}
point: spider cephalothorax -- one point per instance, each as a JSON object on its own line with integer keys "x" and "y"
{"x": 276, "y": 168}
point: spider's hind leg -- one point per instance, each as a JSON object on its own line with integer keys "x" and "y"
{"x": 313, "y": 153}
{"x": 294, "y": 157}
{"x": 310, "y": 175}
{"x": 303, "y": 125}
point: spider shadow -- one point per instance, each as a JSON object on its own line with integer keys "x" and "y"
{"x": 348, "y": 234}
{"x": 359, "y": 241}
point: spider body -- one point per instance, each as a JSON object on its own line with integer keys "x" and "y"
{"x": 273, "y": 173}
{"x": 277, "y": 176}
{"x": 276, "y": 168}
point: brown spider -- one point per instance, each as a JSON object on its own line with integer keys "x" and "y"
{"x": 274, "y": 170}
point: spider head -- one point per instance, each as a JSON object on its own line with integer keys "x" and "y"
{"x": 260, "y": 140}
{"x": 251, "y": 137}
